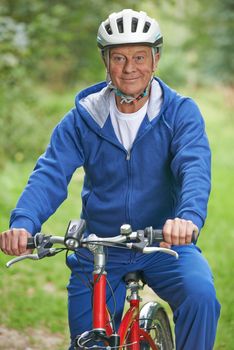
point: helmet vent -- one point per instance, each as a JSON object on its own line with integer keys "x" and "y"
{"x": 108, "y": 29}
{"x": 134, "y": 24}
{"x": 146, "y": 27}
{"x": 120, "y": 25}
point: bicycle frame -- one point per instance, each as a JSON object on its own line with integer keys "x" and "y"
{"x": 129, "y": 327}
{"x": 131, "y": 322}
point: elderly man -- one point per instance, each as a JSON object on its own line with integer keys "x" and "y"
{"x": 146, "y": 160}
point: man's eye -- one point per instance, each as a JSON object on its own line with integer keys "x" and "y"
{"x": 119, "y": 59}
{"x": 139, "y": 59}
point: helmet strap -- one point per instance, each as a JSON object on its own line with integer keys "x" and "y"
{"x": 127, "y": 98}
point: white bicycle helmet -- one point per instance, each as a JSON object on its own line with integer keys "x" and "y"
{"x": 129, "y": 27}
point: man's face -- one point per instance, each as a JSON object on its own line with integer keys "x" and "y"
{"x": 131, "y": 68}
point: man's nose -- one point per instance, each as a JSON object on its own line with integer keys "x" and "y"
{"x": 130, "y": 66}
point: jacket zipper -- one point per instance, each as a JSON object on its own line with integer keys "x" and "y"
{"x": 129, "y": 190}
{"x": 128, "y": 159}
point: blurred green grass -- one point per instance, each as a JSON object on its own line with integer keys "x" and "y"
{"x": 33, "y": 294}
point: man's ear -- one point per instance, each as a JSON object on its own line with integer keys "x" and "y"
{"x": 105, "y": 58}
{"x": 156, "y": 60}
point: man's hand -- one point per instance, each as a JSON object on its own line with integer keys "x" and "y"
{"x": 178, "y": 232}
{"x": 14, "y": 242}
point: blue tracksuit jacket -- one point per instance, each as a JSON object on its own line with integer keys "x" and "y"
{"x": 166, "y": 174}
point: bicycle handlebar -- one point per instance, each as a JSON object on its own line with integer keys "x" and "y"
{"x": 74, "y": 236}
{"x": 141, "y": 240}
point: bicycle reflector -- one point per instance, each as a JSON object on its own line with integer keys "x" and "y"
{"x": 74, "y": 233}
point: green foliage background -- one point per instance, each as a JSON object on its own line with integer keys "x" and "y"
{"x": 52, "y": 44}
{"x": 47, "y": 53}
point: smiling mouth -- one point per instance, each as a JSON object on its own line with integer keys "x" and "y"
{"x": 130, "y": 79}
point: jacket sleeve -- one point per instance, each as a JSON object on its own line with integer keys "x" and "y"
{"x": 47, "y": 185}
{"x": 191, "y": 163}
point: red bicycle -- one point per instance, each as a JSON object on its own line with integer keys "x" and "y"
{"x": 145, "y": 327}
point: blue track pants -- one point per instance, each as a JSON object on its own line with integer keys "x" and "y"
{"x": 186, "y": 284}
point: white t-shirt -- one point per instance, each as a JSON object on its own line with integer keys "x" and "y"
{"x": 126, "y": 125}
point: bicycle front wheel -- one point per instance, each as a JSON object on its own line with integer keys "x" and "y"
{"x": 154, "y": 320}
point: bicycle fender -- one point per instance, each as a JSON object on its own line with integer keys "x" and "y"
{"x": 148, "y": 313}
{"x": 148, "y": 317}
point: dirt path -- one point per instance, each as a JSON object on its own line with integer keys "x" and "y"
{"x": 33, "y": 339}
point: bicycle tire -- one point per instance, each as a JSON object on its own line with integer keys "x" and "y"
{"x": 159, "y": 329}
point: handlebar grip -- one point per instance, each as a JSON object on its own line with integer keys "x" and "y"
{"x": 31, "y": 243}
{"x": 194, "y": 237}
{"x": 156, "y": 236}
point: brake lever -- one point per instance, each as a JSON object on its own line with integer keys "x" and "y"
{"x": 22, "y": 257}
{"x": 148, "y": 250}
